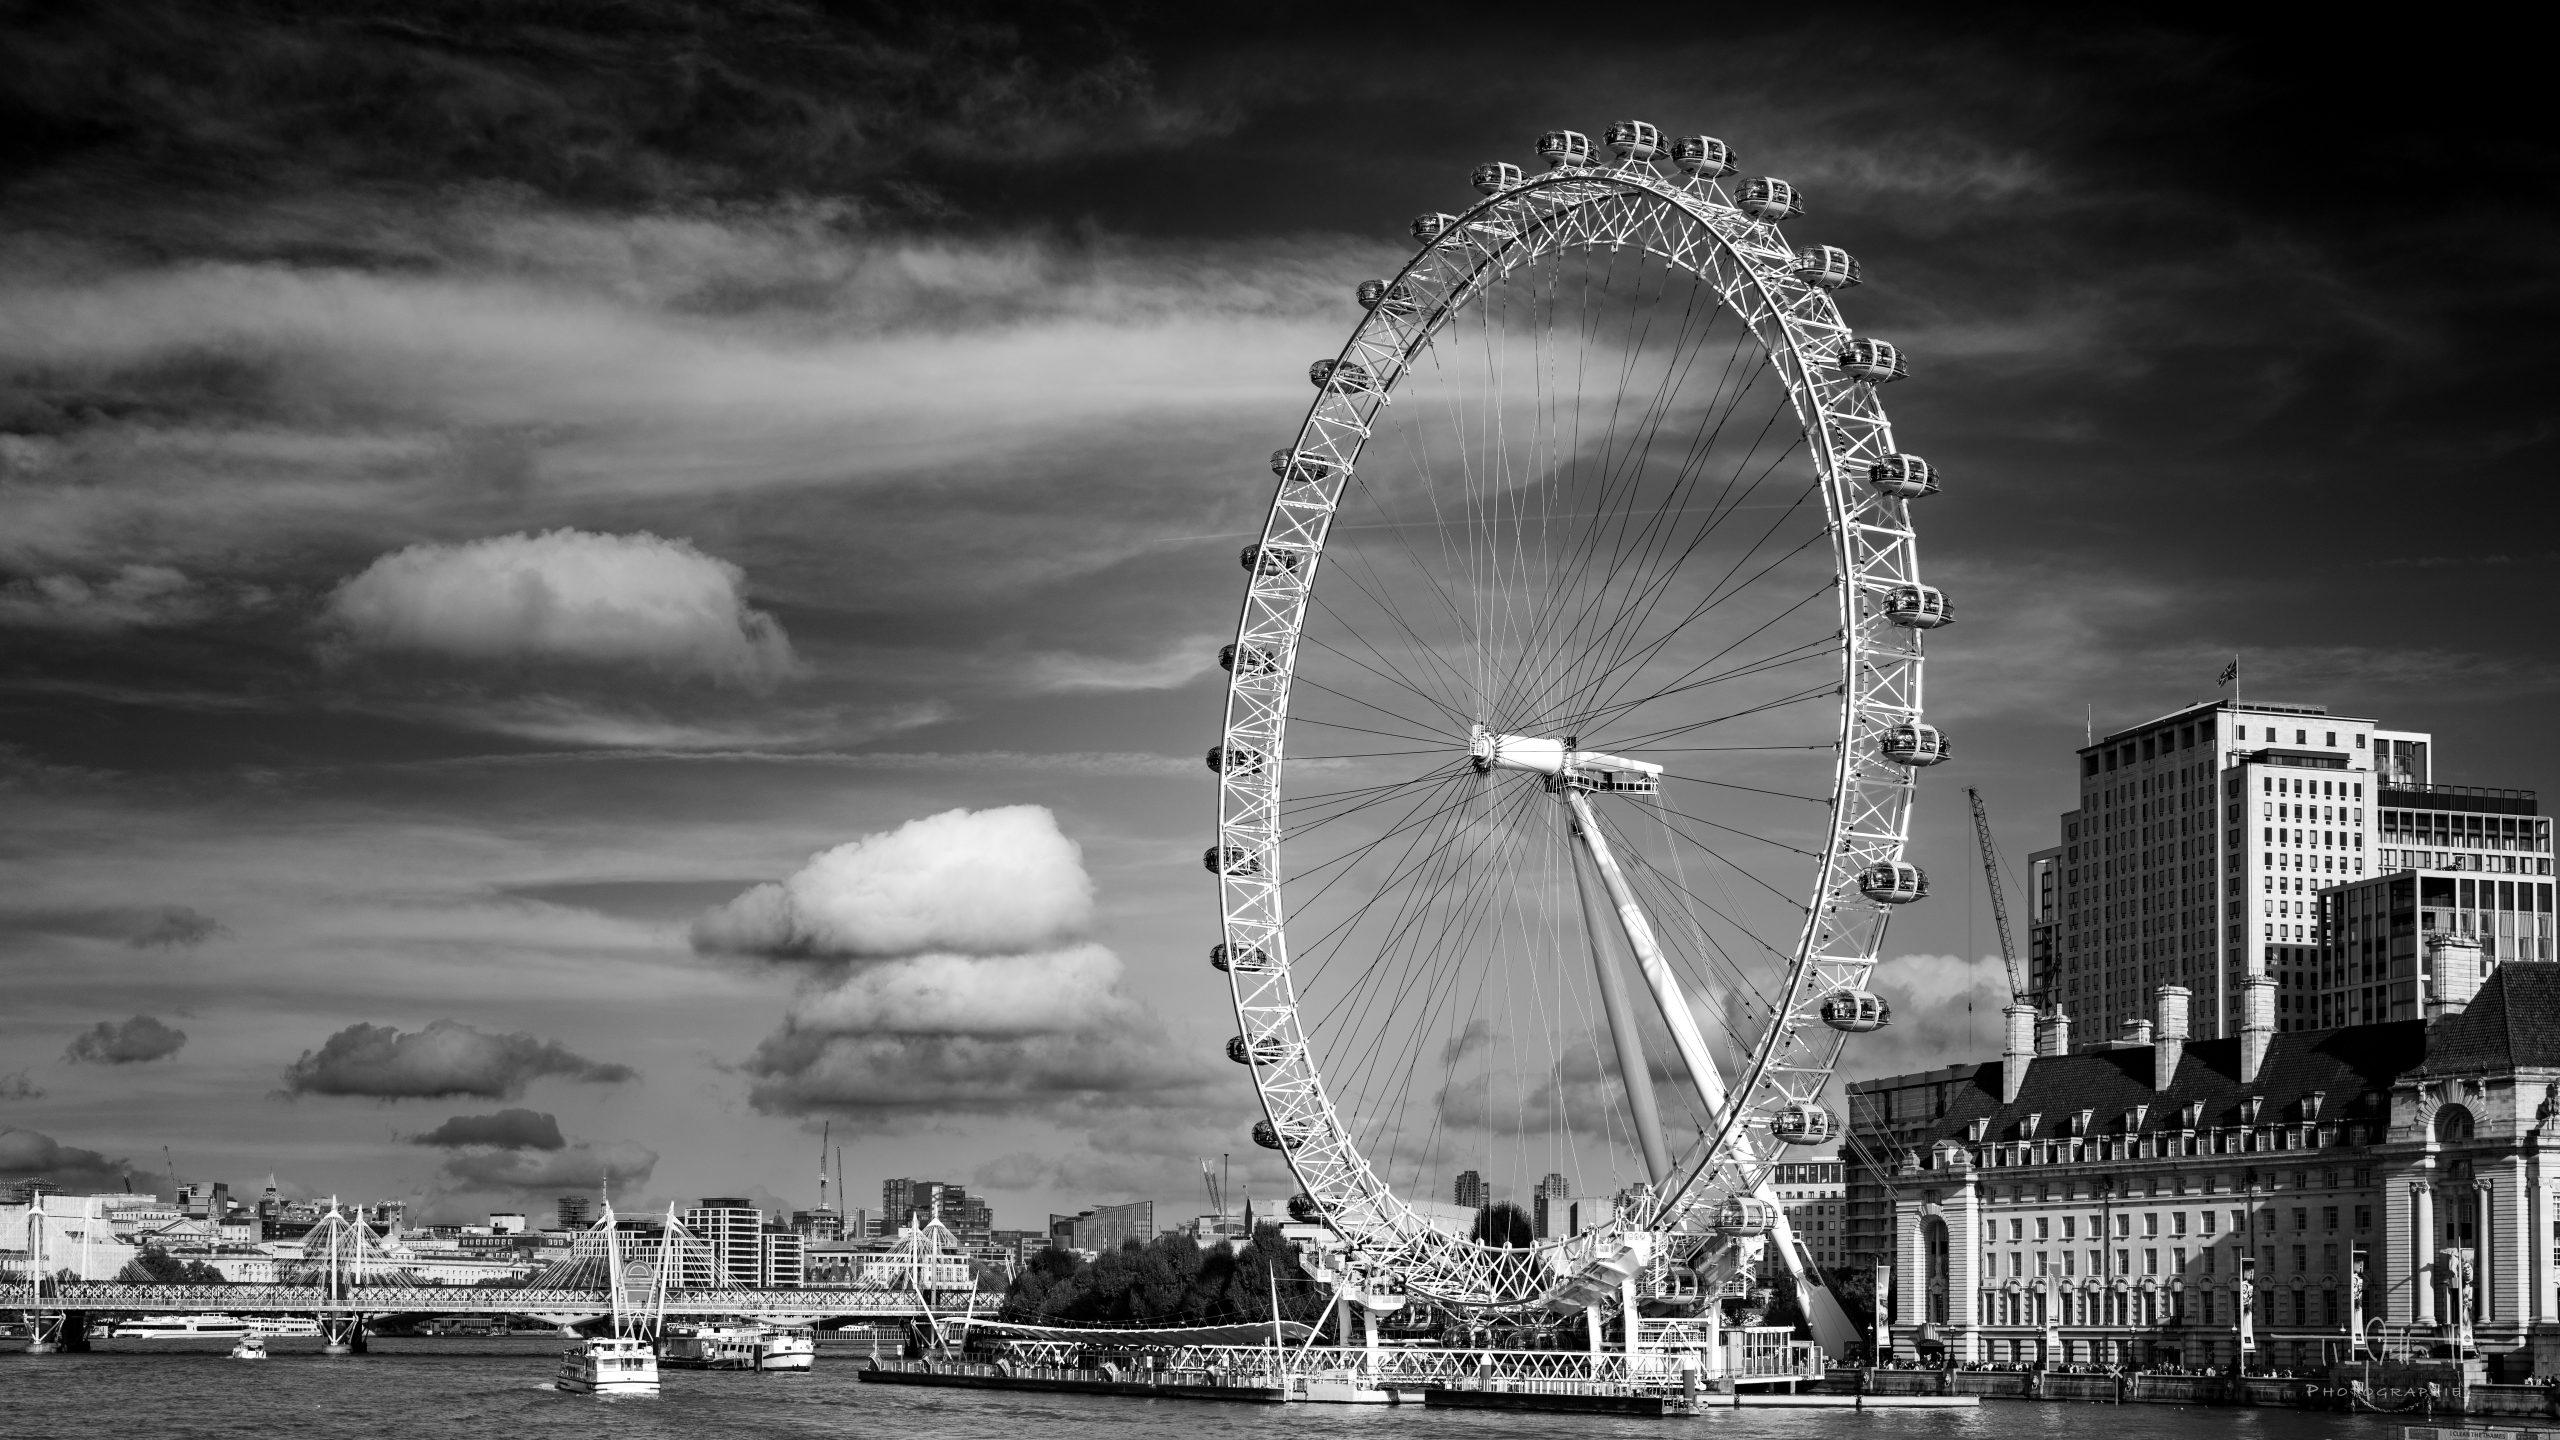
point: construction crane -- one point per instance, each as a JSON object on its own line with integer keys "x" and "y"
{"x": 2018, "y": 991}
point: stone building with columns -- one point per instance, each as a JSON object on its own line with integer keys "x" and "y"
{"x": 2158, "y": 1200}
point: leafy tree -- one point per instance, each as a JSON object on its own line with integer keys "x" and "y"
{"x": 159, "y": 1267}
{"x": 1169, "y": 1281}
{"x": 1506, "y": 1225}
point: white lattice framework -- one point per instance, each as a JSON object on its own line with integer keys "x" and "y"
{"x": 1690, "y": 223}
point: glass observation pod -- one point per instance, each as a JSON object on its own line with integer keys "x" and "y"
{"x": 1269, "y": 1050}
{"x": 1878, "y": 362}
{"x": 1704, "y": 156}
{"x": 1298, "y": 468}
{"x": 1242, "y": 759}
{"x": 1564, "y": 147}
{"x": 1915, "y": 743}
{"x": 1230, "y": 860}
{"x": 1427, "y": 228}
{"x": 1743, "y": 1217}
{"x": 1857, "y": 1012}
{"x": 1905, "y": 477}
{"x": 1271, "y": 559}
{"x": 1826, "y": 267}
{"x": 1919, "y": 607}
{"x": 1304, "y": 1209}
{"x": 1250, "y": 962}
{"x": 1893, "y": 882}
{"x": 1495, "y": 176}
{"x": 1258, "y": 659}
{"x": 1802, "y": 1124}
{"x": 1343, "y": 377}
{"x": 1769, "y": 199}
{"x": 1634, "y": 139}
{"x": 1395, "y": 299}
{"x": 1270, "y": 1137}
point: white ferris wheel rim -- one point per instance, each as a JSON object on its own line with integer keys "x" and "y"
{"x": 1690, "y": 224}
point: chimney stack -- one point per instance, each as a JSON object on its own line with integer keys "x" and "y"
{"x": 2137, "y": 1030}
{"x": 2257, "y": 1023}
{"x": 2169, "y": 1042}
{"x": 2053, "y": 1033}
{"x": 2453, "y": 962}
{"x": 2019, "y": 1052}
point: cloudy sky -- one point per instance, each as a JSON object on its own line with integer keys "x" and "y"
{"x": 580, "y": 597}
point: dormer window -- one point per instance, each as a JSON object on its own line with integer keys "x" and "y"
{"x": 2311, "y": 1104}
{"x": 2080, "y": 1124}
{"x": 2133, "y": 1118}
{"x": 2028, "y": 1127}
{"x": 2192, "y": 1115}
{"x": 1975, "y": 1130}
{"x": 2249, "y": 1109}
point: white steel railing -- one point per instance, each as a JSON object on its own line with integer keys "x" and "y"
{"x": 407, "y": 1299}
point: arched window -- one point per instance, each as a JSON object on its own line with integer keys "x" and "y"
{"x": 1933, "y": 1234}
{"x": 2453, "y": 1123}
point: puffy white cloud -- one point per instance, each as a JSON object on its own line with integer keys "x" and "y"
{"x": 565, "y": 596}
{"x": 1045, "y": 993}
{"x": 974, "y": 881}
{"x": 446, "y": 1058}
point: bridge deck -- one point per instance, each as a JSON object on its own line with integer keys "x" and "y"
{"x": 249, "y": 1299}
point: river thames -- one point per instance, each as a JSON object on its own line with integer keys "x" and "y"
{"x": 474, "y": 1389}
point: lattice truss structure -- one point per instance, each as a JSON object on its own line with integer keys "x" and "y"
{"x": 1676, "y": 207}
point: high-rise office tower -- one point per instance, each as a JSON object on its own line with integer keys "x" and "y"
{"x": 2201, "y": 843}
{"x": 1471, "y": 1190}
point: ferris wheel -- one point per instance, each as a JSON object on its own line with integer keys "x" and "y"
{"x": 1571, "y": 733}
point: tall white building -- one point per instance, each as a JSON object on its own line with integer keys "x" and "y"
{"x": 2197, "y": 854}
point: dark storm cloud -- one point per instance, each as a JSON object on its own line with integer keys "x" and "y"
{"x": 14, "y": 1085}
{"x": 628, "y": 103}
{"x": 142, "y": 927}
{"x": 447, "y": 1058}
{"x": 576, "y": 1167}
{"x": 128, "y": 1042}
{"x": 29, "y": 1155}
{"x": 505, "y": 1130}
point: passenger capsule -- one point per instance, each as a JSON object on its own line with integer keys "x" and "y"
{"x": 1257, "y": 659}
{"x": 1396, "y": 299}
{"x": 1826, "y": 267}
{"x": 1232, "y": 860}
{"x": 1915, "y": 743}
{"x": 1271, "y": 559}
{"x": 1743, "y": 1217}
{"x": 1427, "y": 228}
{"x": 1919, "y": 607}
{"x": 1878, "y": 362}
{"x": 1704, "y": 156}
{"x": 1269, "y": 1050}
{"x": 1893, "y": 882}
{"x": 1769, "y": 199}
{"x": 1905, "y": 477}
{"x": 1342, "y": 377}
{"x": 1560, "y": 148}
{"x": 1304, "y": 1209}
{"x": 1800, "y": 1124}
{"x": 1495, "y": 176}
{"x": 1857, "y": 1012}
{"x": 1634, "y": 139}
{"x": 1249, "y": 962}
{"x": 1269, "y": 1136}
{"x": 1299, "y": 468}
{"x": 1242, "y": 759}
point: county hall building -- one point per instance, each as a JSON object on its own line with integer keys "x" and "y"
{"x": 2130, "y": 1201}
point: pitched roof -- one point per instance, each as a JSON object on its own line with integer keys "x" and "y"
{"x": 2353, "y": 1068}
{"x": 2514, "y": 1022}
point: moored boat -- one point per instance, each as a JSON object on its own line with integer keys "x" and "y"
{"x": 788, "y": 1347}
{"x": 181, "y": 1327}
{"x": 711, "y": 1347}
{"x": 251, "y": 1347}
{"x": 609, "y": 1365}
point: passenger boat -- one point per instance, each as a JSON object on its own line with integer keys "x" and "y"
{"x": 712, "y": 1347}
{"x": 182, "y": 1327}
{"x": 609, "y": 1365}
{"x": 251, "y": 1347}
{"x": 788, "y": 1347}
{"x": 285, "y": 1326}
